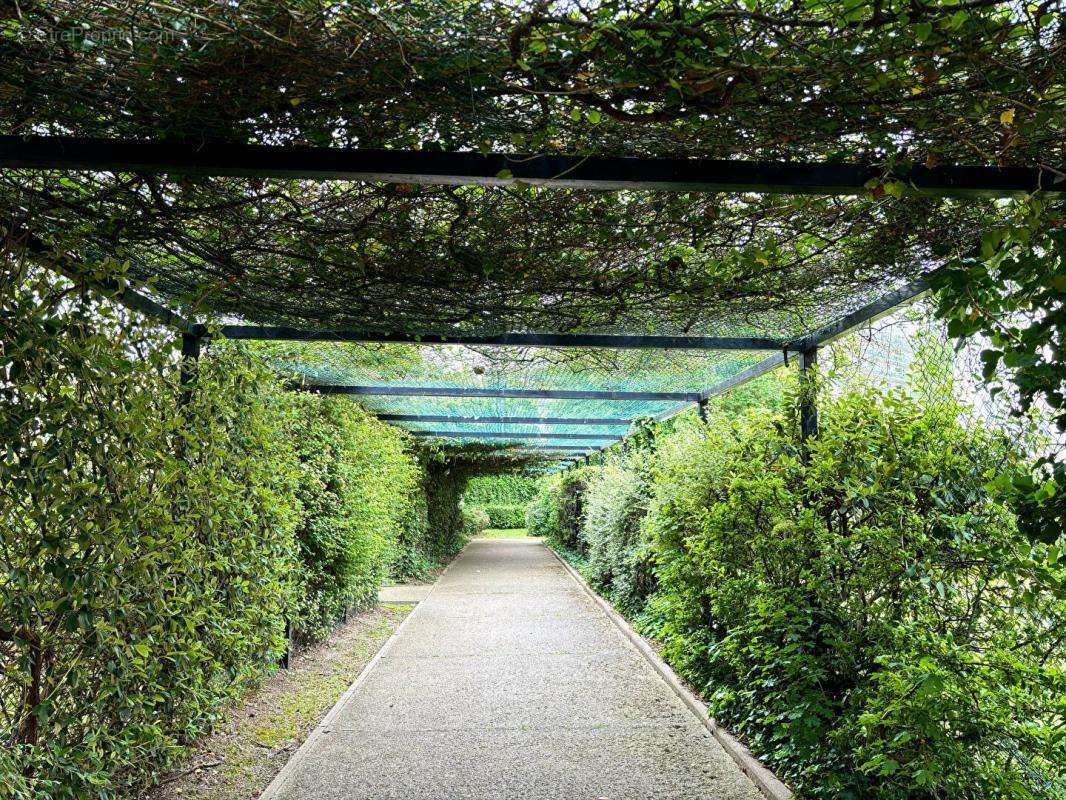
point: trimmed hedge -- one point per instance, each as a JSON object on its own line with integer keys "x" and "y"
{"x": 619, "y": 561}
{"x": 500, "y": 490}
{"x": 357, "y": 485}
{"x": 867, "y": 617}
{"x": 503, "y": 497}
{"x": 475, "y": 521}
{"x": 155, "y": 537}
{"x": 447, "y": 528}
{"x": 505, "y": 516}
{"x": 558, "y": 512}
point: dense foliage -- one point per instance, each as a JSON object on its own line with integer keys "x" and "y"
{"x": 503, "y": 498}
{"x": 765, "y": 79}
{"x": 1012, "y": 293}
{"x": 866, "y": 615}
{"x": 358, "y": 480}
{"x": 619, "y": 558}
{"x": 500, "y": 490}
{"x": 558, "y": 513}
{"x": 475, "y": 521}
{"x": 155, "y": 538}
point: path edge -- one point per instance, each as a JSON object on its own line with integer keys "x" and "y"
{"x": 273, "y": 789}
{"x": 769, "y": 784}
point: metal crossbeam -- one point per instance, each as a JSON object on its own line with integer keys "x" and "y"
{"x": 617, "y": 421}
{"x": 884, "y": 304}
{"x": 601, "y": 437}
{"x": 567, "y": 448}
{"x": 607, "y": 341}
{"x": 466, "y": 391}
{"x": 502, "y": 169}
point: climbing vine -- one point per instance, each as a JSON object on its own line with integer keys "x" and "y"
{"x": 1011, "y": 294}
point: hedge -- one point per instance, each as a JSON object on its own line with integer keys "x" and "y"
{"x": 500, "y": 490}
{"x": 558, "y": 512}
{"x": 358, "y": 480}
{"x": 505, "y": 516}
{"x": 475, "y": 521}
{"x": 156, "y": 537}
{"x": 503, "y": 497}
{"x": 619, "y": 559}
{"x": 865, "y": 614}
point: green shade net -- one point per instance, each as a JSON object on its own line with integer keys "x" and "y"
{"x": 387, "y": 258}
{"x": 513, "y": 368}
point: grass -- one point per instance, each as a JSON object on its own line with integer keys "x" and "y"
{"x": 253, "y": 744}
{"x": 504, "y": 533}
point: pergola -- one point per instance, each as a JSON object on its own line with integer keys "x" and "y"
{"x": 604, "y": 249}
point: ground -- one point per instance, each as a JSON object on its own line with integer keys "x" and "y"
{"x": 509, "y": 682}
{"x": 504, "y": 533}
{"x": 241, "y": 758}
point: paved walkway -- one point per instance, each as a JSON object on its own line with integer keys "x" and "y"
{"x": 508, "y": 682}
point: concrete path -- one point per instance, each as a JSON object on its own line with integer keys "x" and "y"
{"x": 507, "y": 681}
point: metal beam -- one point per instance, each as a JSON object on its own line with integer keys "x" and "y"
{"x": 884, "y": 304}
{"x": 502, "y": 169}
{"x": 600, "y": 437}
{"x": 563, "y": 447}
{"x": 606, "y": 341}
{"x": 808, "y": 408}
{"x": 754, "y": 371}
{"x": 190, "y": 356}
{"x": 616, "y": 421}
{"x": 467, "y": 391}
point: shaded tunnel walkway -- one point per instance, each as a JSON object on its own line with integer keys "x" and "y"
{"x": 509, "y": 682}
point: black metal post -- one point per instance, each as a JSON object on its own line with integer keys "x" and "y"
{"x": 701, "y": 409}
{"x": 808, "y": 410}
{"x": 287, "y": 655}
{"x": 190, "y": 354}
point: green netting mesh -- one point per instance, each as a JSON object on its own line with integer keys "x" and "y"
{"x": 934, "y": 85}
{"x": 492, "y": 368}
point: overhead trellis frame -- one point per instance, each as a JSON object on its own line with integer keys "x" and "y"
{"x": 613, "y": 421}
{"x": 938, "y": 85}
{"x": 590, "y": 340}
{"x": 192, "y": 333}
{"x": 471, "y": 391}
{"x": 598, "y": 437}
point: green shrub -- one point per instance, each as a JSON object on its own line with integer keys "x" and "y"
{"x": 557, "y": 512}
{"x": 411, "y": 558}
{"x": 572, "y": 509}
{"x": 503, "y": 497}
{"x": 619, "y": 558}
{"x": 446, "y": 527}
{"x": 865, "y": 614}
{"x": 358, "y": 481}
{"x": 475, "y": 521}
{"x": 505, "y": 516}
{"x": 542, "y": 514}
{"x": 147, "y": 551}
{"x": 155, "y": 537}
{"x": 871, "y": 621}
